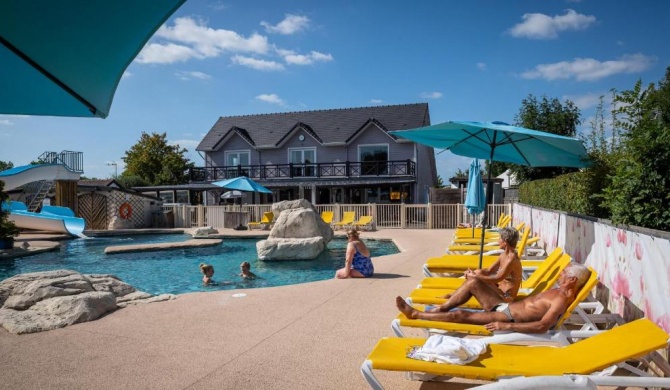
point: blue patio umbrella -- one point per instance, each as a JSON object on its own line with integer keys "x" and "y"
{"x": 242, "y": 183}
{"x": 475, "y": 200}
{"x": 66, "y": 57}
{"x": 499, "y": 141}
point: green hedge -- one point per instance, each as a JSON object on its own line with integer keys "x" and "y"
{"x": 569, "y": 192}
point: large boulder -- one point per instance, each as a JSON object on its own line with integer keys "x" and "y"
{"x": 298, "y": 233}
{"x": 40, "y": 301}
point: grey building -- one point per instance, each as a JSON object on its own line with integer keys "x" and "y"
{"x": 325, "y": 156}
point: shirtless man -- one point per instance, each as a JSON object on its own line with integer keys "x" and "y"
{"x": 494, "y": 285}
{"x": 536, "y": 314}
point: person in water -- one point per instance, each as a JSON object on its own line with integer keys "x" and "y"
{"x": 246, "y": 273}
{"x": 494, "y": 285}
{"x": 207, "y": 272}
{"x": 358, "y": 263}
{"x": 535, "y": 314}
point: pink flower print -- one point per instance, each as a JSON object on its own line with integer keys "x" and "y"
{"x": 578, "y": 257}
{"x": 642, "y": 286}
{"x": 620, "y": 285}
{"x": 608, "y": 240}
{"x": 638, "y": 250}
{"x": 579, "y": 223}
{"x": 621, "y": 236}
{"x": 664, "y": 322}
{"x": 555, "y": 241}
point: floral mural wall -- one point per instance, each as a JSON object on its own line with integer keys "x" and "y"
{"x": 634, "y": 267}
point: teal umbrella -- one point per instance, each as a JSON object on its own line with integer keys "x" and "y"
{"x": 499, "y": 141}
{"x": 475, "y": 200}
{"x": 66, "y": 57}
{"x": 242, "y": 183}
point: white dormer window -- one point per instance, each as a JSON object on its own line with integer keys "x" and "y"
{"x": 237, "y": 157}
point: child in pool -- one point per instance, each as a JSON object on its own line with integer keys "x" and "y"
{"x": 246, "y": 271}
{"x": 207, "y": 271}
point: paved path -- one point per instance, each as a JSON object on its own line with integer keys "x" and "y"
{"x": 308, "y": 336}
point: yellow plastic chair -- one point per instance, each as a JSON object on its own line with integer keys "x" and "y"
{"x": 347, "y": 219}
{"x": 327, "y": 217}
{"x": 267, "y": 220}
{"x": 611, "y": 347}
{"x": 489, "y": 237}
{"x": 364, "y": 222}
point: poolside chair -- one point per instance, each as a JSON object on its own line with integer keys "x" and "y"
{"x": 327, "y": 217}
{"x": 266, "y": 221}
{"x": 488, "y": 237}
{"x": 465, "y": 232}
{"x": 504, "y": 361}
{"x": 364, "y": 222}
{"x": 347, "y": 219}
{"x": 544, "y": 277}
{"x": 452, "y": 327}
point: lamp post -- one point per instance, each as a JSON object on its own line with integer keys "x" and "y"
{"x": 116, "y": 168}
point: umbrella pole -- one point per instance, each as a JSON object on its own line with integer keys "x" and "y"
{"x": 489, "y": 196}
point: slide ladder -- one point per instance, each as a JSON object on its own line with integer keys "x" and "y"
{"x": 40, "y": 194}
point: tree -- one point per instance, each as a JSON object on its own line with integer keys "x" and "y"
{"x": 8, "y": 229}
{"x": 440, "y": 182}
{"x": 549, "y": 115}
{"x": 639, "y": 192}
{"x": 155, "y": 162}
{"x": 5, "y": 165}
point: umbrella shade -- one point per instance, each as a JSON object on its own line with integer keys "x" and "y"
{"x": 242, "y": 183}
{"x": 66, "y": 57}
{"x": 498, "y": 141}
{"x": 231, "y": 195}
{"x": 475, "y": 201}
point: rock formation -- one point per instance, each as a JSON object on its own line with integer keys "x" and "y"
{"x": 298, "y": 233}
{"x": 40, "y": 301}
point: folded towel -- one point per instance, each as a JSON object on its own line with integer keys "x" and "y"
{"x": 448, "y": 349}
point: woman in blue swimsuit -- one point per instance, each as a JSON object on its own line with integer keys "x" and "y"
{"x": 358, "y": 263}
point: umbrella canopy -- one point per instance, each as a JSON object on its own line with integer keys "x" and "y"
{"x": 242, "y": 183}
{"x": 66, "y": 57}
{"x": 475, "y": 201}
{"x": 231, "y": 195}
{"x": 499, "y": 141}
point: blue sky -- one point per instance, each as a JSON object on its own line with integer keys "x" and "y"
{"x": 473, "y": 60}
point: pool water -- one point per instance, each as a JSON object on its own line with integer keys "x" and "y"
{"x": 177, "y": 271}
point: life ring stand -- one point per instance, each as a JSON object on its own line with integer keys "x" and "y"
{"x": 125, "y": 210}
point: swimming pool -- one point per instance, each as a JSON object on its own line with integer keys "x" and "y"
{"x": 177, "y": 272}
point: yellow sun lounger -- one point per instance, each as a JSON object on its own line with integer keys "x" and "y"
{"x": 265, "y": 221}
{"x": 489, "y": 237}
{"x": 327, "y": 217}
{"x": 550, "y": 270}
{"x": 363, "y": 222}
{"x": 453, "y": 327}
{"x": 347, "y": 219}
{"x": 584, "y": 357}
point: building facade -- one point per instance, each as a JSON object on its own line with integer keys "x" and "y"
{"x": 325, "y": 156}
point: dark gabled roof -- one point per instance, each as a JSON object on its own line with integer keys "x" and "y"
{"x": 327, "y": 126}
{"x": 99, "y": 183}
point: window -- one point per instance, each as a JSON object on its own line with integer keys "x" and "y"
{"x": 235, "y": 158}
{"x": 303, "y": 160}
{"x": 373, "y": 159}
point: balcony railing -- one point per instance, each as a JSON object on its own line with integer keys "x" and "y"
{"x": 319, "y": 170}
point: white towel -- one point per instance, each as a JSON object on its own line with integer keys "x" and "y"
{"x": 448, "y": 349}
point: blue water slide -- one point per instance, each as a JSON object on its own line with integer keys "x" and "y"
{"x": 51, "y": 218}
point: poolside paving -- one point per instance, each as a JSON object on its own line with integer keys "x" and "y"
{"x": 307, "y": 336}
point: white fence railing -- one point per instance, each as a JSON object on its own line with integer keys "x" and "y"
{"x": 385, "y": 216}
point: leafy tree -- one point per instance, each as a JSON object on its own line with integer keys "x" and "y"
{"x": 8, "y": 229}
{"x": 440, "y": 182}
{"x": 549, "y": 115}
{"x": 156, "y": 162}
{"x": 130, "y": 181}
{"x": 639, "y": 192}
{"x": 5, "y": 165}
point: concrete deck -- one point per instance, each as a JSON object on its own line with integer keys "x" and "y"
{"x": 308, "y": 336}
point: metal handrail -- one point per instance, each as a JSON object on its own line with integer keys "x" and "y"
{"x": 74, "y": 161}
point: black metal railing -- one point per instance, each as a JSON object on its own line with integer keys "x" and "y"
{"x": 319, "y": 170}
{"x": 74, "y": 161}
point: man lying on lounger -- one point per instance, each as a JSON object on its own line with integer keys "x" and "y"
{"x": 535, "y": 314}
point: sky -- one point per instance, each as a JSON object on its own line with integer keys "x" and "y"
{"x": 469, "y": 60}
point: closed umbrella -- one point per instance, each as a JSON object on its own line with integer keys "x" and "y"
{"x": 475, "y": 200}
{"x": 231, "y": 195}
{"x": 499, "y": 141}
{"x": 66, "y": 57}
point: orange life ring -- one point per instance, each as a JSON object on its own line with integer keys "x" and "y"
{"x": 125, "y": 210}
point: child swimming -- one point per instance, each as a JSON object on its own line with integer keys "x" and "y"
{"x": 246, "y": 271}
{"x": 207, "y": 271}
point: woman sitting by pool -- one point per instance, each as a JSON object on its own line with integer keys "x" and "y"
{"x": 358, "y": 263}
{"x": 207, "y": 271}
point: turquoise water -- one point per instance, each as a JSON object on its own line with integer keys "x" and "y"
{"x": 177, "y": 271}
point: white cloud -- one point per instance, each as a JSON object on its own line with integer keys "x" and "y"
{"x": 541, "y": 26}
{"x": 271, "y": 98}
{"x": 126, "y": 74}
{"x": 194, "y": 39}
{"x": 585, "y": 101}
{"x": 306, "y": 59}
{"x": 290, "y": 25}
{"x": 376, "y": 101}
{"x": 589, "y": 69}
{"x": 481, "y": 66}
{"x": 256, "y": 63}
{"x": 431, "y": 95}
{"x": 183, "y": 75}
{"x": 185, "y": 143}
{"x": 6, "y": 122}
